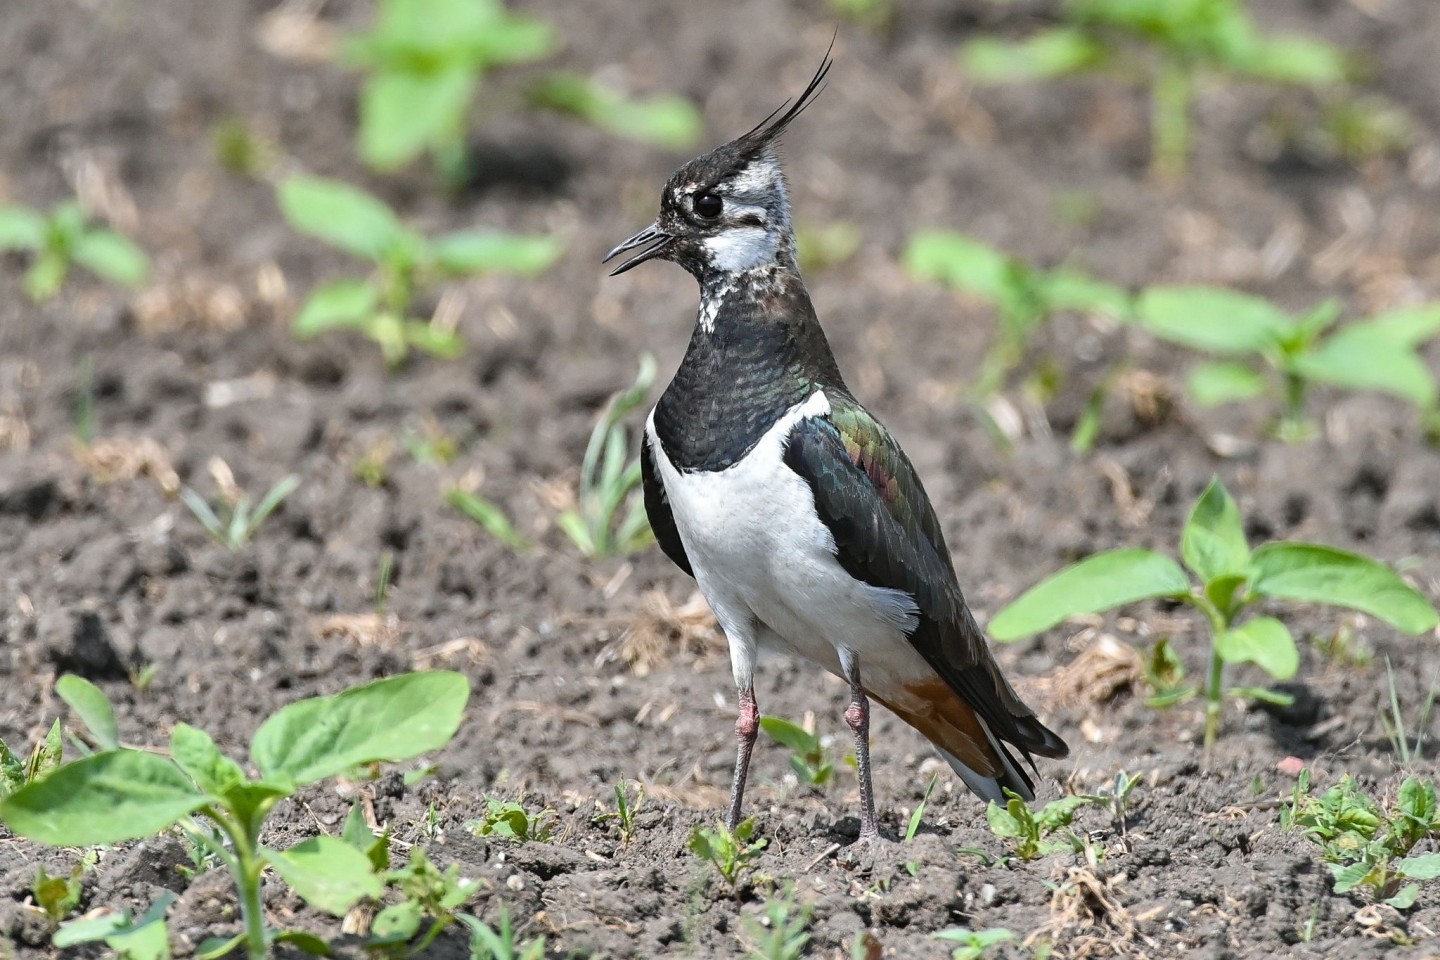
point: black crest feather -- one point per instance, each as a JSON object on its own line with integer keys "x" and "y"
{"x": 767, "y": 131}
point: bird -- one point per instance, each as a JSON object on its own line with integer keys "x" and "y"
{"x": 802, "y": 521}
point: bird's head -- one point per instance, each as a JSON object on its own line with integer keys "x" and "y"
{"x": 728, "y": 211}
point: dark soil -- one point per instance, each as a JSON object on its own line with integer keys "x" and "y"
{"x": 586, "y": 672}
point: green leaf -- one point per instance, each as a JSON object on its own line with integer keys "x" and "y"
{"x": 471, "y": 252}
{"x": 397, "y": 923}
{"x": 1222, "y": 381}
{"x": 341, "y": 215}
{"x": 1298, "y": 60}
{"x": 92, "y": 707}
{"x": 143, "y": 938}
{"x": 488, "y": 515}
{"x": 20, "y": 229}
{"x": 1424, "y": 867}
{"x": 327, "y": 873}
{"x": 1096, "y": 583}
{"x": 667, "y": 121}
{"x": 195, "y": 753}
{"x": 789, "y": 735}
{"x": 392, "y": 719}
{"x": 213, "y": 948}
{"x": 436, "y": 341}
{"x": 1362, "y": 357}
{"x": 1407, "y": 326}
{"x": 1049, "y": 53}
{"x": 344, "y": 303}
{"x": 962, "y": 262}
{"x": 1002, "y": 824}
{"x": 1263, "y": 641}
{"x": 104, "y": 798}
{"x": 1211, "y": 319}
{"x": 403, "y": 113}
{"x": 46, "y": 274}
{"x": 1066, "y": 289}
{"x": 1262, "y": 694}
{"x": 1321, "y": 574}
{"x": 111, "y": 256}
{"x": 305, "y": 942}
{"x": 1405, "y": 898}
{"x": 1213, "y": 544}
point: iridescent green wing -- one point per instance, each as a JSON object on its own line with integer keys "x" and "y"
{"x": 886, "y": 534}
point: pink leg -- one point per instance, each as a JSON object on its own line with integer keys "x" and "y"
{"x": 747, "y": 725}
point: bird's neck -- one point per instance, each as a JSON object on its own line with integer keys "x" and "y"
{"x": 757, "y": 350}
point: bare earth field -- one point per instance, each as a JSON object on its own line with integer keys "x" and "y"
{"x": 587, "y": 672}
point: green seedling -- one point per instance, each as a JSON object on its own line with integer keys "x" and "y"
{"x": 63, "y": 238}
{"x": 58, "y": 896}
{"x": 1024, "y": 296}
{"x": 240, "y": 521}
{"x": 784, "y": 933}
{"x": 1028, "y": 830}
{"x": 629, "y": 798}
{"x": 730, "y": 853}
{"x": 666, "y": 120}
{"x": 608, "y": 519}
{"x": 488, "y": 515}
{"x": 429, "y": 894}
{"x": 139, "y": 938}
{"x": 1232, "y": 579}
{"x": 241, "y": 150}
{"x": 405, "y": 263}
{"x": 808, "y": 756}
{"x": 1394, "y": 723}
{"x": 489, "y": 944}
{"x": 509, "y": 820}
{"x": 972, "y": 944}
{"x": 92, "y": 708}
{"x": 1268, "y": 353}
{"x": 424, "y": 60}
{"x": 44, "y": 758}
{"x": 1117, "y": 795}
{"x": 1164, "y": 671}
{"x": 1174, "y": 46}
{"x": 913, "y": 827}
{"x": 127, "y": 794}
{"x": 1368, "y": 847}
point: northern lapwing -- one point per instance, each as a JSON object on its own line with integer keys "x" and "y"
{"x": 796, "y": 512}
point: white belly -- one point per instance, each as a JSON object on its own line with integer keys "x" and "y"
{"x": 766, "y": 563}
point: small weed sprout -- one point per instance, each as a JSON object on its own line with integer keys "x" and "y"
{"x": 510, "y": 820}
{"x": 240, "y": 521}
{"x": 125, "y": 794}
{"x": 665, "y": 120}
{"x": 1233, "y": 578}
{"x": 629, "y": 798}
{"x": 608, "y": 519}
{"x": 1173, "y": 45}
{"x": 730, "y": 853}
{"x": 44, "y": 758}
{"x": 913, "y": 827}
{"x": 58, "y": 896}
{"x": 404, "y": 262}
{"x": 1027, "y": 830}
{"x": 784, "y": 932}
{"x": 808, "y": 756}
{"x": 1367, "y": 846}
{"x": 1265, "y": 352}
{"x": 1394, "y": 724}
{"x": 972, "y": 944}
{"x": 488, "y": 515}
{"x": 63, "y": 238}
{"x": 428, "y": 893}
{"x": 1026, "y": 297}
{"x": 136, "y": 938}
{"x": 489, "y": 944}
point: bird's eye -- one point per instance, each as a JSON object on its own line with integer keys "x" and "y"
{"x": 708, "y": 205}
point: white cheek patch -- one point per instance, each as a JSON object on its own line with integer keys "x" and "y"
{"x": 741, "y": 248}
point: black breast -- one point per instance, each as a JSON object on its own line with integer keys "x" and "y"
{"x": 764, "y": 354}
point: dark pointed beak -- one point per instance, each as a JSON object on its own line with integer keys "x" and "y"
{"x": 657, "y": 239}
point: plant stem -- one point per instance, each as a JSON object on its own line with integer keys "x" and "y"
{"x": 248, "y": 869}
{"x": 1170, "y": 122}
{"x": 1293, "y": 427}
{"x": 1214, "y": 678}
